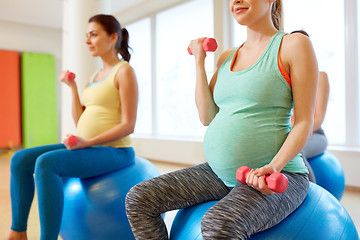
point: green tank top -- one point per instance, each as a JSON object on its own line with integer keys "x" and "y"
{"x": 254, "y": 116}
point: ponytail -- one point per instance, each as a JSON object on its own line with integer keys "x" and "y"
{"x": 111, "y": 26}
{"x": 123, "y": 45}
{"x": 276, "y": 14}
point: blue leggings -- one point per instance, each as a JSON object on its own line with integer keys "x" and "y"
{"x": 51, "y": 163}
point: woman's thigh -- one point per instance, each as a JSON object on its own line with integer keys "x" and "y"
{"x": 316, "y": 145}
{"x": 87, "y": 162}
{"x": 24, "y": 160}
{"x": 176, "y": 190}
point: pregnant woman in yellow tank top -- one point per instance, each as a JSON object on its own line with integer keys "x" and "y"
{"x": 104, "y": 122}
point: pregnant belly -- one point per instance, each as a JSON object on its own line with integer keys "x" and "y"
{"x": 231, "y": 142}
{"x": 94, "y": 122}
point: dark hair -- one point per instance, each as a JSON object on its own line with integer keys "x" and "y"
{"x": 276, "y": 14}
{"x": 111, "y": 25}
{"x": 301, "y": 31}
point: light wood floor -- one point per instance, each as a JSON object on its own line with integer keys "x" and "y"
{"x": 350, "y": 200}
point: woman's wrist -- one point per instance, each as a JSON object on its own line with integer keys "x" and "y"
{"x": 277, "y": 166}
{"x": 90, "y": 143}
{"x": 199, "y": 61}
{"x": 73, "y": 87}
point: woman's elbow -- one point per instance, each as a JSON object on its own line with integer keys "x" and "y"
{"x": 306, "y": 125}
{"x": 205, "y": 123}
{"x": 205, "y": 120}
{"x": 127, "y": 127}
{"x": 131, "y": 128}
{"x": 309, "y": 127}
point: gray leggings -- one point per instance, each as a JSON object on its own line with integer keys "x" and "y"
{"x": 240, "y": 212}
{"x": 316, "y": 145}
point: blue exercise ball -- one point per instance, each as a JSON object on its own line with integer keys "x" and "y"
{"x": 320, "y": 216}
{"x": 94, "y": 208}
{"x": 329, "y": 173}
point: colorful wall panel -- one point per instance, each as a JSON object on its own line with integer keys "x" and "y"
{"x": 10, "y": 108}
{"x": 39, "y": 105}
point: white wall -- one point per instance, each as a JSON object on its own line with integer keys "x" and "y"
{"x": 350, "y": 161}
{"x": 29, "y": 38}
{"x": 22, "y": 37}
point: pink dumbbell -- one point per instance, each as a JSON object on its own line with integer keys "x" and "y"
{"x": 209, "y": 45}
{"x": 72, "y": 140}
{"x": 276, "y": 181}
{"x": 70, "y": 76}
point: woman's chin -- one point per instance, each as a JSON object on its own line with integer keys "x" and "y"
{"x": 94, "y": 54}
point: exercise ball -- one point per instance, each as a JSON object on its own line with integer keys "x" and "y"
{"x": 94, "y": 208}
{"x": 329, "y": 173}
{"x": 320, "y": 216}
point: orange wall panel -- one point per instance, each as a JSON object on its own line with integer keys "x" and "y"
{"x": 10, "y": 101}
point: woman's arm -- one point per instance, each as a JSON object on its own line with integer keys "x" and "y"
{"x": 204, "y": 100}
{"x": 77, "y": 108}
{"x": 299, "y": 60}
{"x": 126, "y": 82}
{"x": 322, "y": 99}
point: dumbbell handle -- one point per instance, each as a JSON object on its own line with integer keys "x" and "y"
{"x": 276, "y": 181}
{"x": 70, "y": 76}
{"x": 209, "y": 45}
{"x": 72, "y": 140}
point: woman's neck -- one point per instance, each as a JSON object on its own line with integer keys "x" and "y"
{"x": 255, "y": 37}
{"x": 110, "y": 60}
{"x": 260, "y": 31}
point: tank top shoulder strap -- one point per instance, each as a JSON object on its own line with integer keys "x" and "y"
{"x": 275, "y": 56}
{"x": 276, "y": 42}
{"x": 229, "y": 61}
{"x": 116, "y": 68}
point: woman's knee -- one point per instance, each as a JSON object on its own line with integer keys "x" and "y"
{"x": 220, "y": 223}
{"x": 44, "y": 163}
{"x": 20, "y": 161}
{"x": 137, "y": 196}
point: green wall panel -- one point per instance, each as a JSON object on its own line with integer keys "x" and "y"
{"x": 39, "y": 105}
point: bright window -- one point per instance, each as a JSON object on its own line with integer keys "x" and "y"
{"x": 166, "y": 72}
{"x": 140, "y": 42}
{"x": 175, "y": 68}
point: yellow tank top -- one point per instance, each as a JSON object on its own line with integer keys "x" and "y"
{"x": 102, "y": 109}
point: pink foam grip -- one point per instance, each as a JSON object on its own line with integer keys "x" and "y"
{"x": 209, "y": 45}
{"x": 72, "y": 140}
{"x": 277, "y": 182}
{"x": 70, "y": 76}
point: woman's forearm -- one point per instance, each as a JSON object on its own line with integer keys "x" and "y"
{"x": 113, "y": 134}
{"x": 293, "y": 144}
{"x": 77, "y": 108}
{"x": 205, "y": 104}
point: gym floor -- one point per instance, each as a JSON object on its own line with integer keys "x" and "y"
{"x": 350, "y": 200}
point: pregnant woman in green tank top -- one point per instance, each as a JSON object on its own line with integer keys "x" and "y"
{"x": 247, "y": 108}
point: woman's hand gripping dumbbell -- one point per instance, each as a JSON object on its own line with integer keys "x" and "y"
{"x": 276, "y": 181}
{"x": 67, "y": 77}
{"x": 70, "y": 76}
{"x": 72, "y": 140}
{"x": 209, "y": 45}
